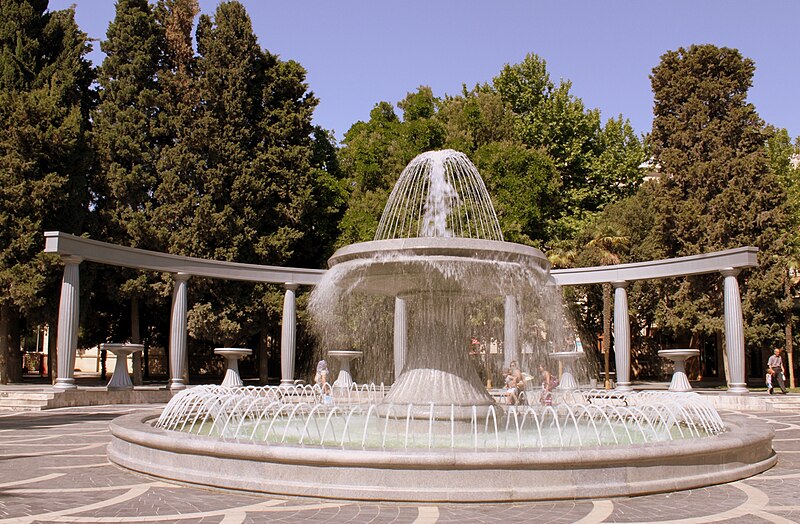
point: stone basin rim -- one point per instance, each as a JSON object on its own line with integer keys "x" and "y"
{"x": 448, "y": 475}
{"x": 473, "y": 248}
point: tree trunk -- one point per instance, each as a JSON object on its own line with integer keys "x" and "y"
{"x": 787, "y": 287}
{"x": 5, "y": 324}
{"x": 136, "y": 339}
{"x": 607, "y": 333}
{"x": 263, "y": 366}
{"x": 10, "y": 356}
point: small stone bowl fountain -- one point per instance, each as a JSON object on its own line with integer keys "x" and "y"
{"x": 680, "y": 382}
{"x": 567, "y": 359}
{"x": 344, "y": 380}
{"x": 232, "y": 355}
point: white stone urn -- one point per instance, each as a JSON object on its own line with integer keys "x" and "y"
{"x": 343, "y": 357}
{"x": 567, "y": 359}
{"x": 121, "y": 379}
{"x": 680, "y": 382}
{"x": 232, "y": 355}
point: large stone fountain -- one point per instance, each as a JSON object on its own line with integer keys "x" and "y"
{"x": 438, "y": 435}
{"x": 439, "y": 248}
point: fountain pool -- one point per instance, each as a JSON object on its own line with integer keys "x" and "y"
{"x": 438, "y": 434}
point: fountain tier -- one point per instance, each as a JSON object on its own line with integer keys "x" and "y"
{"x": 439, "y": 278}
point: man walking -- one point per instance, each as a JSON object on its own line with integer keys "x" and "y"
{"x": 775, "y": 364}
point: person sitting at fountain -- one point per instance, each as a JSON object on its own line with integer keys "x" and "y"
{"x": 508, "y": 384}
{"x": 515, "y": 384}
{"x": 549, "y": 383}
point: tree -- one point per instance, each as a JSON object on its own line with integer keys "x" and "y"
{"x": 127, "y": 136}
{"x": 783, "y": 159}
{"x": 596, "y": 165}
{"x": 45, "y": 99}
{"x": 247, "y": 148}
{"x": 127, "y": 132}
{"x": 718, "y": 191}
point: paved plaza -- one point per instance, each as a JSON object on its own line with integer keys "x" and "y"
{"x": 55, "y": 469}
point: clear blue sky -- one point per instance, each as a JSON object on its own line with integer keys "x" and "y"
{"x": 358, "y": 53}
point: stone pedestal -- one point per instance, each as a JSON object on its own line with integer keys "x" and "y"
{"x": 232, "y": 355}
{"x": 567, "y": 358}
{"x": 680, "y": 382}
{"x": 343, "y": 357}
{"x": 121, "y": 379}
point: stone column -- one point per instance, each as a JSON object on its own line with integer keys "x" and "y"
{"x": 288, "y": 335}
{"x": 400, "y": 336}
{"x": 177, "y": 333}
{"x": 734, "y": 332}
{"x": 622, "y": 336}
{"x": 67, "y": 337}
{"x": 510, "y": 349}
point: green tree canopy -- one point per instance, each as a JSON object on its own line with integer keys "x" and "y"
{"x": 45, "y": 99}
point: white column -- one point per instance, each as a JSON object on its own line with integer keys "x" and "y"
{"x": 177, "y": 333}
{"x": 622, "y": 336}
{"x": 510, "y": 349}
{"x": 288, "y": 335}
{"x": 400, "y": 336}
{"x": 67, "y": 337}
{"x": 734, "y": 332}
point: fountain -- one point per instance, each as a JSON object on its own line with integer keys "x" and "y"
{"x": 437, "y": 434}
{"x": 344, "y": 380}
{"x": 567, "y": 358}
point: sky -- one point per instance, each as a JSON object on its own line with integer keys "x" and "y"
{"x": 360, "y": 52}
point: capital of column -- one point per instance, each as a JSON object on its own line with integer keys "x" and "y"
{"x": 291, "y": 286}
{"x": 620, "y": 284}
{"x": 182, "y": 277}
{"x": 71, "y": 259}
{"x": 730, "y": 271}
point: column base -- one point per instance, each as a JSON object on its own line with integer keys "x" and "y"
{"x": 738, "y": 389}
{"x": 624, "y": 386}
{"x": 65, "y": 383}
{"x": 287, "y": 383}
{"x": 176, "y": 384}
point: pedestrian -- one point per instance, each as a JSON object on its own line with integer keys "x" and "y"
{"x": 515, "y": 384}
{"x": 775, "y": 364}
{"x": 549, "y": 383}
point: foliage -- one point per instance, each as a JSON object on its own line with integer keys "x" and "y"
{"x": 549, "y": 164}
{"x": 45, "y": 98}
{"x": 719, "y": 191}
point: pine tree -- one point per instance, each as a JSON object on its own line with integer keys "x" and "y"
{"x": 238, "y": 182}
{"x": 127, "y": 132}
{"x": 718, "y": 191}
{"x": 45, "y": 99}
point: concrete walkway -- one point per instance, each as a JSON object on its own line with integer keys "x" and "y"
{"x": 54, "y": 469}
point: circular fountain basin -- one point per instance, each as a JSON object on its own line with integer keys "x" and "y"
{"x": 452, "y": 475}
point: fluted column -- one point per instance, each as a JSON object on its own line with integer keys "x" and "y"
{"x": 400, "y": 335}
{"x": 178, "y": 356}
{"x": 510, "y": 346}
{"x": 622, "y": 336}
{"x": 67, "y": 338}
{"x": 734, "y": 332}
{"x": 288, "y": 334}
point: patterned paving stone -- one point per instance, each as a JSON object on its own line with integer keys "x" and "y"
{"x": 55, "y": 470}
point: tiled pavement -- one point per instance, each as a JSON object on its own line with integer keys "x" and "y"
{"x": 53, "y": 468}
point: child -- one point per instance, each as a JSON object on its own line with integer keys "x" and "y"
{"x": 769, "y": 380}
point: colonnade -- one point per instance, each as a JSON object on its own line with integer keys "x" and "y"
{"x": 74, "y": 250}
